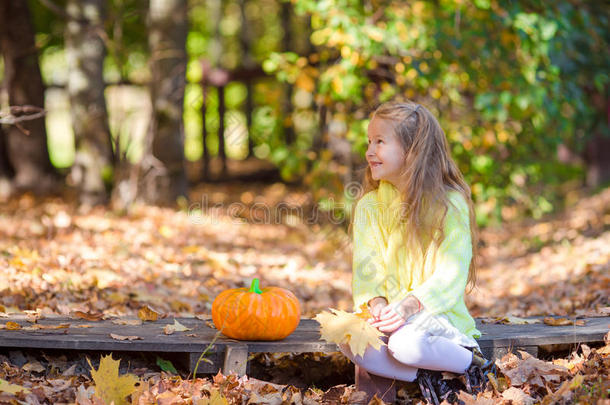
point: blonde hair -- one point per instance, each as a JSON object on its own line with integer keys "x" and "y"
{"x": 428, "y": 174}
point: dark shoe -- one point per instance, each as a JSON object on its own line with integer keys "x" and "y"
{"x": 449, "y": 388}
{"x": 476, "y": 375}
{"x": 426, "y": 379}
{"x": 436, "y": 389}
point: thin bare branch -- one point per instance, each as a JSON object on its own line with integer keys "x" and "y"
{"x": 17, "y": 114}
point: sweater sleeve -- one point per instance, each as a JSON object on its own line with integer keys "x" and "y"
{"x": 368, "y": 268}
{"x": 445, "y": 287}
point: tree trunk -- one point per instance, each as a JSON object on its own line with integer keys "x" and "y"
{"x": 167, "y": 40}
{"x": 289, "y": 135}
{"x": 27, "y": 142}
{"x": 597, "y": 159}
{"x": 245, "y": 40}
{"x": 222, "y": 153}
{"x": 6, "y": 170}
{"x": 93, "y": 162}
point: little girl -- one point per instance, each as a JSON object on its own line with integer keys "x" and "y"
{"x": 413, "y": 232}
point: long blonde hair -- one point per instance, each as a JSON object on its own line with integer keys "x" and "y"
{"x": 428, "y": 174}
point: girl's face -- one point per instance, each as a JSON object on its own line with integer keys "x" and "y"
{"x": 385, "y": 154}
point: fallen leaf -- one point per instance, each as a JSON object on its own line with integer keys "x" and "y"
{"x": 83, "y": 395}
{"x": 342, "y": 327}
{"x": 468, "y": 399}
{"x": 216, "y": 398}
{"x": 131, "y": 322}
{"x": 176, "y": 327}
{"x": 530, "y": 370}
{"x": 10, "y": 325}
{"x": 119, "y": 337}
{"x": 109, "y": 386}
{"x": 517, "y": 396}
{"x": 87, "y": 315}
{"x": 33, "y": 316}
{"x": 563, "y": 321}
{"x": 6, "y": 386}
{"x": 510, "y": 320}
{"x": 166, "y": 365}
{"x": 147, "y": 314}
{"x": 34, "y": 366}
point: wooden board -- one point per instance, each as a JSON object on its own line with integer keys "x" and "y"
{"x": 496, "y": 340}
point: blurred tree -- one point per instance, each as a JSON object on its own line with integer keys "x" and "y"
{"x": 85, "y": 51}
{"x": 6, "y": 170}
{"x": 164, "y": 160}
{"x": 27, "y": 141}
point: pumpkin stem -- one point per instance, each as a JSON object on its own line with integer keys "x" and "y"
{"x": 255, "y": 288}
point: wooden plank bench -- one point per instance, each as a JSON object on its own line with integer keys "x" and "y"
{"x": 231, "y": 355}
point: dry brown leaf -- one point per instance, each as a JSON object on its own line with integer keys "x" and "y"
{"x": 564, "y": 393}
{"x": 342, "y": 327}
{"x": 84, "y": 395}
{"x": 147, "y": 314}
{"x": 87, "y": 315}
{"x": 34, "y": 366}
{"x": 479, "y": 399}
{"x": 563, "y": 321}
{"x": 517, "y": 396}
{"x": 119, "y": 337}
{"x": 530, "y": 370}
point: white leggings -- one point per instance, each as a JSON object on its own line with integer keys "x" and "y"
{"x": 408, "y": 349}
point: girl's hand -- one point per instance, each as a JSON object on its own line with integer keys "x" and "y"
{"x": 375, "y": 306}
{"x": 388, "y": 320}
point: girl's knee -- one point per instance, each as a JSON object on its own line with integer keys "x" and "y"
{"x": 408, "y": 348}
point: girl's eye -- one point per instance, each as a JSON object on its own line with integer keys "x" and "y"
{"x": 380, "y": 141}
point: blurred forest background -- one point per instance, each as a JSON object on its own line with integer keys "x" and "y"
{"x": 147, "y": 99}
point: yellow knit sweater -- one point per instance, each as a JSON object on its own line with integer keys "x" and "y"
{"x": 385, "y": 265}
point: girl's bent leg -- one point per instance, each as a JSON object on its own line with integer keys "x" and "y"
{"x": 416, "y": 348}
{"x": 381, "y": 363}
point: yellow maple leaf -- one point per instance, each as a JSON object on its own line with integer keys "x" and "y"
{"x": 109, "y": 386}
{"x": 6, "y": 386}
{"x": 342, "y": 327}
{"x": 364, "y": 312}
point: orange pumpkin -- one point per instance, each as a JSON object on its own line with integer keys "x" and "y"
{"x": 254, "y": 314}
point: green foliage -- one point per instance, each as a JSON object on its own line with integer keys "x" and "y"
{"x": 508, "y": 81}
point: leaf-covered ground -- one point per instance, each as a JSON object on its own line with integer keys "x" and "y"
{"x": 58, "y": 258}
